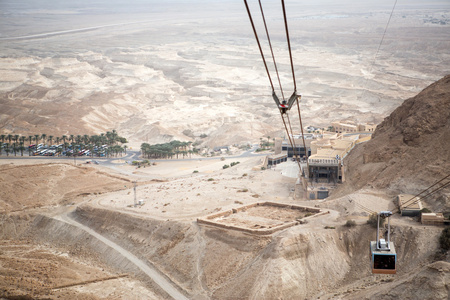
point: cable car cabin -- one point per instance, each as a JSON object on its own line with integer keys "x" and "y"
{"x": 384, "y": 259}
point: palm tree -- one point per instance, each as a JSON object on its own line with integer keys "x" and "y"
{"x": 3, "y": 137}
{"x": 14, "y": 145}
{"x": 21, "y": 148}
{"x": 30, "y": 140}
{"x": 64, "y": 138}
{"x": 50, "y": 139}
{"x": 43, "y": 137}
{"x": 36, "y": 138}
{"x": 22, "y": 143}
{"x": 9, "y": 137}
{"x": 103, "y": 138}
{"x": 7, "y": 149}
{"x": 114, "y": 135}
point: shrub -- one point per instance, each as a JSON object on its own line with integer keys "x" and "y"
{"x": 330, "y": 227}
{"x": 195, "y": 171}
{"x": 245, "y": 174}
{"x": 243, "y": 191}
{"x": 425, "y": 210}
{"x": 350, "y": 223}
{"x": 210, "y": 179}
{"x": 373, "y": 220}
{"x": 263, "y": 168}
{"x": 444, "y": 239}
{"x": 225, "y": 166}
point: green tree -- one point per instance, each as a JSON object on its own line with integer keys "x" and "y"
{"x": 37, "y": 138}
{"x": 444, "y": 239}
{"x": 15, "y": 148}
{"x": 7, "y": 149}
{"x": 21, "y": 148}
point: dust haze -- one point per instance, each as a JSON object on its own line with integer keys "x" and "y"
{"x": 153, "y": 69}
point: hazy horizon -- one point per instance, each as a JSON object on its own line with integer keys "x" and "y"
{"x": 178, "y": 52}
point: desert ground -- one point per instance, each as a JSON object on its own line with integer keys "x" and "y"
{"x": 82, "y": 237}
{"x": 158, "y": 71}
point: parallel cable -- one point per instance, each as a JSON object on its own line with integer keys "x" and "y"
{"x": 271, "y": 50}
{"x": 429, "y": 194}
{"x": 295, "y": 90}
{"x": 366, "y": 209}
{"x": 259, "y": 45}
{"x": 289, "y": 44}
{"x": 426, "y": 190}
{"x": 304, "y": 143}
{"x": 293, "y": 141}
{"x": 379, "y": 46}
{"x": 416, "y": 199}
{"x": 287, "y": 131}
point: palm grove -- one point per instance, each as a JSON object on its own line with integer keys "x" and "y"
{"x": 110, "y": 143}
{"x": 167, "y": 150}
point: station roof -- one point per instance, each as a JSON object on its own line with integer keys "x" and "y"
{"x": 406, "y": 200}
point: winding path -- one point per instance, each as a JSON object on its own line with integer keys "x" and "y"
{"x": 166, "y": 285}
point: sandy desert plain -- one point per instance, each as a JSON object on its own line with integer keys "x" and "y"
{"x": 157, "y": 71}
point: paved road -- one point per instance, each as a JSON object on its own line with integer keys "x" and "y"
{"x": 166, "y": 285}
{"x": 130, "y": 156}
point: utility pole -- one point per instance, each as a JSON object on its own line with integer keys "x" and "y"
{"x": 135, "y": 202}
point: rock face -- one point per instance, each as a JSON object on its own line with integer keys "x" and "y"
{"x": 409, "y": 150}
{"x": 419, "y": 118}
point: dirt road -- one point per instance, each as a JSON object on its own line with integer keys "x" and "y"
{"x": 160, "y": 280}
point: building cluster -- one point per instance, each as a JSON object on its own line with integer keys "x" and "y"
{"x": 411, "y": 206}
{"x": 348, "y": 126}
{"x": 324, "y": 154}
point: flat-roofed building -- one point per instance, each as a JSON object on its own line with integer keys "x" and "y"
{"x": 326, "y": 161}
{"x": 275, "y": 159}
{"x": 347, "y": 126}
{"x": 410, "y": 206}
{"x": 298, "y": 150}
{"x": 432, "y": 219}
